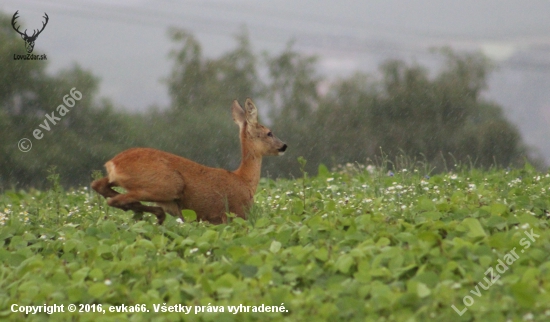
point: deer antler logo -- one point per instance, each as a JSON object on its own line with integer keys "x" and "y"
{"x": 29, "y": 40}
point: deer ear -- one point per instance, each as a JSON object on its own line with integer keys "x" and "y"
{"x": 251, "y": 112}
{"x": 238, "y": 114}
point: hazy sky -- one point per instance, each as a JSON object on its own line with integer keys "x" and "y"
{"x": 125, "y": 43}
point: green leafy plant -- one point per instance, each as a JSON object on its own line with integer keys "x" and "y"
{"x": 302, "y": 161}
{"x": 370, "y": 246}
{"x": 55, "y": 192}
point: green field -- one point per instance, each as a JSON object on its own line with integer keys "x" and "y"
{"x": 357, "y": 244}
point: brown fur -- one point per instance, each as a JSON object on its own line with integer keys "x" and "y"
{"x": 175, "y": 183}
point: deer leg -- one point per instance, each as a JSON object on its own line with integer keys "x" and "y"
{"x": 172, "y": 208}
{"x": 129, "y": 201}
{"x": 104, "y": 187}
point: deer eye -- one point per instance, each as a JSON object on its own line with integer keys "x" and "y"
{"x": 270, "y": 134}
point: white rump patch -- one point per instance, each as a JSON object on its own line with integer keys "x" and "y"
{"x": 111, "y": 171}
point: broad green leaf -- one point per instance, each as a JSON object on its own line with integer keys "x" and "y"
{"x": 498, "y": 209}
{"x": 344, "y": 263}
{"x": 475, "y": 229}
{"x": 226, "y": 280}
{"x": 146, "y": 244}
{"x": 321, "y": 254}
{"x": 189, "y": 215}
{"x": 69, "y": 245}
{"x": 248, "y": 270}
{"x": 236, "y": 252}
{"x": 96, "y": 274}
{"x": 422, "y": 290}
{"x": 275, "y": 246}
{"x": 524, "y": 294}
{"x": 98, "y": 290}
{"x": 383, "y": 242}
{"x": 425, "y": 204}
{"x": 322, "y": 171}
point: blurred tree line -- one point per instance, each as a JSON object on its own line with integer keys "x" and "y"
{"x": 441, "y": 119}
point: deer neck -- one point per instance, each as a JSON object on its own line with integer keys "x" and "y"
{"x": 250, "y": 167}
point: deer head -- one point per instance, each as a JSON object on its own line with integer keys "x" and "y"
{"x": 29, "y": 40}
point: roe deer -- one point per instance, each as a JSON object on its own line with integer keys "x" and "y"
{"x": 175, "y": 183}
